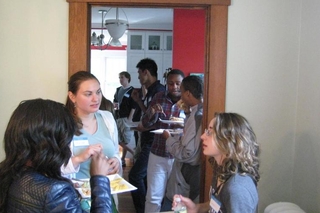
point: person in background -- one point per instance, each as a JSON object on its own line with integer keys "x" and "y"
{"x": 148, "y": 75}
{"x": 136, "y": 118}
{"x": 96, "y": 130}
{"x": 107, "y": 105}
{"x": 232, "y": 143}
{"x": 160, "y": 161}
{"x": 186, "y": 149}
{"x": 36, "y": 143}
{"x": 125, "y": 111}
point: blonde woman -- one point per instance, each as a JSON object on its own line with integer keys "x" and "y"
{"x": 232, "y": 143}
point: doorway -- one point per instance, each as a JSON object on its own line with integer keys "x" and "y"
{"x": 215, "y": 57}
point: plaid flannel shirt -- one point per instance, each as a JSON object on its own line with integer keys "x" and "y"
{"x": 152, "y": 121}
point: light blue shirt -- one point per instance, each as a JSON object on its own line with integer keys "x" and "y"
{"x": 102, "y": 136}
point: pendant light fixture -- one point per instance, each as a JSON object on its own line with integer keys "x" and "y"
{"x": 99, "y": 40}
{"x": 116, "y": 28}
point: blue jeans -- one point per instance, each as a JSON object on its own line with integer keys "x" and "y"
{"x": 138, "y": 178}
{"x": 158, "y": 172}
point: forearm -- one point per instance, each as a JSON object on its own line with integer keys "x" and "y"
{"x": 69, "y": 168}
{"x": 100, "y": 194}
{"x": 203, "y": 207}
{"x": 142, "y": 106}
{"x": 131, "y": 114}
{"x": 184, "y": 149}
{"x": 188, "y": 149}
{"x": 76, "y": 161}
{"x": 149, "y": 118}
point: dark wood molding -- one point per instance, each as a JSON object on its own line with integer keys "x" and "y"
{"x": 79, "y": 31}
{"x": 147, "y": 2}
{"x": 216, "y": 52}
{"x": 215, "y": 79}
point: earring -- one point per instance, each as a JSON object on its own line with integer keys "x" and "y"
{"x": 74, "y": 104}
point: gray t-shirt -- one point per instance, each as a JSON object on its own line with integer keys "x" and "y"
{"x": 238, "y": 195}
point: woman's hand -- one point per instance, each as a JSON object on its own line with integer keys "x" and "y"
{"x": 114, "y": 166}
{"x": 86, "y": 154}
{"x": 191, "y": 206}
{"x": 99, "y": 165}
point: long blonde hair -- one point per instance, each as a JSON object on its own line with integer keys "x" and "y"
{"x": 237, "y": 141}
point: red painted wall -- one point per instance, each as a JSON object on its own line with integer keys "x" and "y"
{"x": 189, "y": 40}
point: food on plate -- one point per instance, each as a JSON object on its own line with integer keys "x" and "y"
{"x": 81, "y": 183}
{"x": 176, "y": 119}
{"x": 84, "y": 186}
{"x": 116, "y": 185}
{"x": 86, "y": 191}
{"x": 120, "y": 187}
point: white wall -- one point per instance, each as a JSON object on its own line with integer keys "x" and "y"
{"x": 106, "y": 66}
{"x": 306, "y": 175}
{"x": 272, "y": 74}
{"x": 33, "y": 53}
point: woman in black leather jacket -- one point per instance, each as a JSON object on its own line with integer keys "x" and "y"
{"x": 36, "y": 144}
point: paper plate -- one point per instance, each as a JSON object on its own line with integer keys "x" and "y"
{"x": 171, "y": 121}
{"x": 172, "y": 131}
{"x": 117, "y": 184}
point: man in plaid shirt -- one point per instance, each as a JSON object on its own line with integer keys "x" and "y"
{"x": 160, "y": 161}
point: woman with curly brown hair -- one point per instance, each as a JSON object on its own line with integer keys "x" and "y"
{"x": 232, "y": 143}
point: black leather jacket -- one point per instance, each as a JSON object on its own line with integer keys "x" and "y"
{"x": 34, "y": 192}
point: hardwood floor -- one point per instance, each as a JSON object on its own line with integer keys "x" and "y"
{"x": 125, "y": 200}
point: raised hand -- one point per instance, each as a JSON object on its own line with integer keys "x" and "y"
{"x": 157, "y": 108}
{"x": 135, "y": 95}
{"x": 86, "y": 154}
{"x": 99, "y": 165}
{"x": 191, "y": 206}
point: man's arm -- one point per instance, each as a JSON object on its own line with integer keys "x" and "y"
{"x": 135, "y": 96}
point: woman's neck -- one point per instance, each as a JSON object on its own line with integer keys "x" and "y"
{"x": 89, "y": 123}
{"x": 219, "y": 159}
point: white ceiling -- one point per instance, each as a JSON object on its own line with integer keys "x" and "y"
{"x": 158, "y": 18}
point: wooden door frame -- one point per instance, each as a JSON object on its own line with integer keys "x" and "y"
{"x": 215, "y": 56}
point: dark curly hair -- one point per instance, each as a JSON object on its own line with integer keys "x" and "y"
{"x": 37, "y": 136}
{"x": 237, "y": 141}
